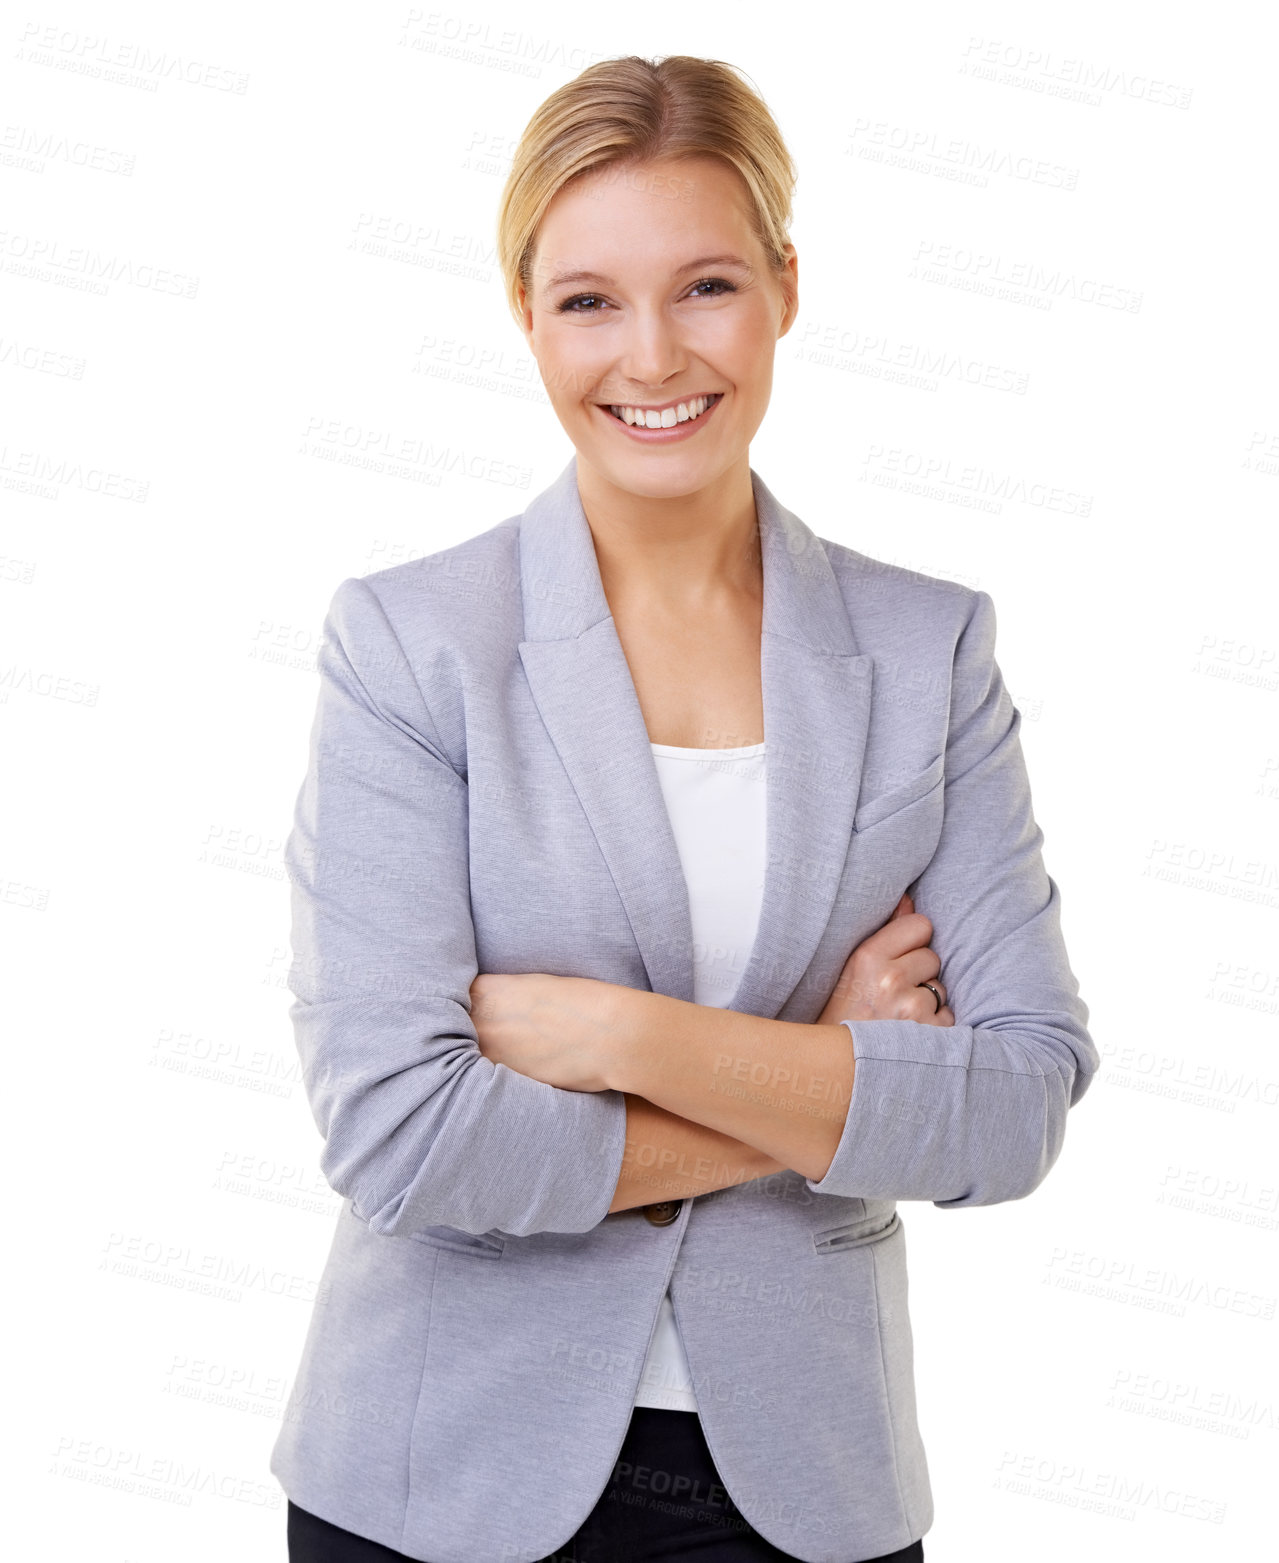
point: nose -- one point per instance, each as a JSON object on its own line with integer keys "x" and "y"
{"x": 652, "y": 352}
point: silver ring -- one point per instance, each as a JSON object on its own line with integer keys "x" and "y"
{"x": 935, "y": 994}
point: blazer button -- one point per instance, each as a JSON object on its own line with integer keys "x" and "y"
{"x": 664, "y": 1212}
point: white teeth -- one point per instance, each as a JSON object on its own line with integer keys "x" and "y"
{"x": 667, "y": 418}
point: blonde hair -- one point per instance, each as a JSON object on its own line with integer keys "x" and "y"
{"x": 630, "y": 110}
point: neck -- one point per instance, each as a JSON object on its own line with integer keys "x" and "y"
{"x": 684, "y": 552}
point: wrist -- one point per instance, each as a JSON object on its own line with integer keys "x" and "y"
{"x": 619, "y": 1033}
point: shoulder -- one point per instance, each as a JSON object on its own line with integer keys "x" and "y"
{"x": 479, "y": 573}
{"x": 454, "y": 598}
{"x": 931, "y": 639}
{"x": 416, "y": 634}
{"x": 891, "y": 604}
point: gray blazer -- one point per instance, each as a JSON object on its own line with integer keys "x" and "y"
{"x": 481, "y": 796}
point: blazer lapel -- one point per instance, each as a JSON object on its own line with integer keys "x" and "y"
{"x": 816, "y": 690}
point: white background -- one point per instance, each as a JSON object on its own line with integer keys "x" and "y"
{"x": 982, "y": 189}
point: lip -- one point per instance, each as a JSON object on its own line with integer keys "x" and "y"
{"x": 678, "y": 431}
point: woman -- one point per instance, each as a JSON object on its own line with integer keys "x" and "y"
{"x": 617, "y": 1016}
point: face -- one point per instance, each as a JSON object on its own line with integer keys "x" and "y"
{"x": 649, "y": 291}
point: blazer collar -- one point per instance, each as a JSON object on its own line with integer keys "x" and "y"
{"x": 816, "y": 693}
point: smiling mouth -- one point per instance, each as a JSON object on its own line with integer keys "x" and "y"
{"x": 669, "y": 417}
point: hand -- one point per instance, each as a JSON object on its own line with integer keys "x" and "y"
{"x": 880, "y": 978}
{"x": 553, "y": 1029}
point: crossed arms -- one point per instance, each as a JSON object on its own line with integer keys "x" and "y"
{"x": 421, "y": 1128}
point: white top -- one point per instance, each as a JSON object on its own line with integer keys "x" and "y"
{"x": 715, "y": 799}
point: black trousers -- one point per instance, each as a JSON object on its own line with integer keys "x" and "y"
{"x": 664, "y": 1501}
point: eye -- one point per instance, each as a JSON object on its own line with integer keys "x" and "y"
{"x": 566, "y": 308}
{"x": 588, "y": 303}
{"x": 714, "y": 282}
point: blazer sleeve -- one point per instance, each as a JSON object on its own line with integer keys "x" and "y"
{"x": 420, "y": 1129}
{"x": 974, "y": 1113}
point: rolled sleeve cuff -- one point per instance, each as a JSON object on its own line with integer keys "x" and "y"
{"x": 925, "y": 1121}
{"x": 558, "y": 1170}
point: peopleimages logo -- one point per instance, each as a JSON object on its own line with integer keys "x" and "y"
{"x": 1125, "y": 1280}
{"x": 1063, "y": 76}
{"x": 941, "y": 474}
{"x": 925, "y": 151}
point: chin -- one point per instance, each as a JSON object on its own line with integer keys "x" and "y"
{"x": 670, "y": 477}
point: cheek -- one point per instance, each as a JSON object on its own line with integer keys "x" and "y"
{"x": 572, "y": 367}
{"x": 742, "y": 351}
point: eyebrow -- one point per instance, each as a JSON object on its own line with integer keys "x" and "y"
{"x": 563, "y": 278}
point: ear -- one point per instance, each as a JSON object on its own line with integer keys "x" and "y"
{"x": 525, "y": 312}
{"x": 789, "y": 283}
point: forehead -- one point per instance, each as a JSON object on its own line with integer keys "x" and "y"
{"x": 625, "y": 219}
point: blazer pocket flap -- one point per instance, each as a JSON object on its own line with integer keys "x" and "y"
{"x": 900, "y": 797}
{"x": 870, "y": 1229}
{"x": 484, "y": 1245}
{"x": 487, "y": 1245}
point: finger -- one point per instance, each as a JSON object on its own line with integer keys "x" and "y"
{"x": 932, "y": 993}
{"x": 904, "y": 907}
{"x": 905, "y": 999}
{"x": 919, "y": 1004}
{"x": 916, "y": 966}
{"x": 932, "y": 1008}
{"x": 900, "y": 934}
